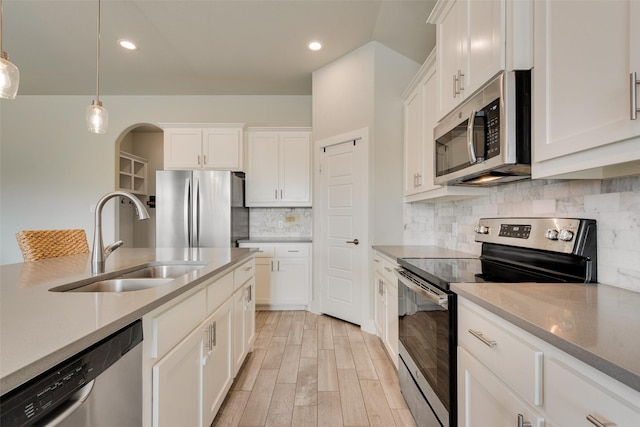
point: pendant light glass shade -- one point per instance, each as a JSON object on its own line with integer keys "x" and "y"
{"x": 9, "y": 73}
{"x": 9, "y": 77}
{"x": 97, "y": 117}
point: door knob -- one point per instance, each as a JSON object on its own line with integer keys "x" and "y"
{"x": 354, "y": 241}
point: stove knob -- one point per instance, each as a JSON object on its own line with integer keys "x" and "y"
{"x": 565, "y": 235}
{"x": 482, "y": 229}
{"x": 551, "y": 234}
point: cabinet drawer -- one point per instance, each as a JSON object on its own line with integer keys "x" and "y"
{"x": 570, "y": 397}
{"x": 385, "y": 268}
{"x": 293, "y": 251}
{"x": 264, "y": 251}
{"x": 219, "y": 291}
{"x": 516, "y": 362}
{"x": 171, "y": 326}
{"x": 243, "y": 273}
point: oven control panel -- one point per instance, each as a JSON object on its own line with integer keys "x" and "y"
{"x": 517, "y": 231}
{"x": 565, "y": 235}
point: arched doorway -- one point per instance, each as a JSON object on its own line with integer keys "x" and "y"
{"x": 139, "y": 154}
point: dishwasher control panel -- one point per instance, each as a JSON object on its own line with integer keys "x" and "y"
{"x": 49, "y": 391}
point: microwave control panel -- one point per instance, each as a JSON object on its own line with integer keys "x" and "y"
{"x": 492, "y": 131}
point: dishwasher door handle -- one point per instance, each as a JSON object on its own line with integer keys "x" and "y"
{"x": 72, "y": 403}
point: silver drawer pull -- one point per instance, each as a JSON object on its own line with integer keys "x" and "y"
{"x": 478, "y": 334}
{"x": 600, "y": 421}
{"x": 294, "y": 251}
{"x": 248, "y": 268}
{"x": 633, "y": 77}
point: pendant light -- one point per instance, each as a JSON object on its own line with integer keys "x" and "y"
{"x": 9, "y": 73}
{"x": 97, "y": 115}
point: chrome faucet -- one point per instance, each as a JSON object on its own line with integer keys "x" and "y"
{"x": 99, "y": 253}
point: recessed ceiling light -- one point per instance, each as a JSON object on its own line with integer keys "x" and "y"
{"x": 315, "y": 45}
{"x": 127, "y": 44}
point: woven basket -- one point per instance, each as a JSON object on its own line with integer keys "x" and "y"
{"x": 40, "y": 244}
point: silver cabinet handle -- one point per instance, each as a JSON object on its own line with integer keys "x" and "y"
{"x": 198, "y": 159}
{"x": 481, "y": 337}
{"x": 522, "y": 422}
{"x": 633, "y": 79}
{"x": 455, "y": 86}
{"x": 600, "y": 421}
{"x": 214, "y": 339}
{"x": 276, "y": 190}
{"x": 204, "y": 159}
{"x": 281, "y": 197}
{"x": 460, "y": 79}
{"x": 354, "y": 241}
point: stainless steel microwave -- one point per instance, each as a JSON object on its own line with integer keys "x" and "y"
{"x": 487, "y": 140}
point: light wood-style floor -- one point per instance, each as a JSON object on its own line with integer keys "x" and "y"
{"x": 308, "y": 370}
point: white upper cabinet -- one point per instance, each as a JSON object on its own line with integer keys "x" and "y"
{"x": 278, "y": 167}
{"x": 203, "y": 146}
{"x": 584, "y": 56}
{"x": 475, "y": 41}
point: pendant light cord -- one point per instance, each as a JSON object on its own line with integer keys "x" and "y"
{"x": 97, "y": 57}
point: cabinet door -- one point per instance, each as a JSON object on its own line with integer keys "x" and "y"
{"x": 391, "y": 303}
{"x": 217, "y": 370}
{"x": 581, "y": 78}
{"x": 222, "y": 149}
{"x": 290, "y": 284}
{"x": 485, "y": 401}
{"x": 262, "y": 187}
{"x": 295, "y": 169}
{"x": 414, "y": 132}
{"x": 239, "y": 350}
{"x": 176, "y": 384}
{"x": 264, "y": 271}
{"x": 182, "y": 148}
{"x": 450, "y": 34}
{"x": 379, "y": 307}
{"x": 485, "y": 40}
{"x": 250, "y": 315}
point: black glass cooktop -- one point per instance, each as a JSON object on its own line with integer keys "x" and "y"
{"x": 443, "y": 271}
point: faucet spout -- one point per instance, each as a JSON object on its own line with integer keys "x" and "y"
{"x": 99, "y": 253}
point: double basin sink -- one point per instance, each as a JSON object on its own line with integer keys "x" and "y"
{"x": 132, "y": 279}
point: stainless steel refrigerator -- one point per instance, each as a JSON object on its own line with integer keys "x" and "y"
{"x": 200, "y": 209}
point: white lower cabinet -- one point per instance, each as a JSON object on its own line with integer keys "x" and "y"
{"x": 193, "y": 348}
{"x": 283, "y": 275}
{"x": 386, "y": 304}
{"x": 504, "y": 373}
{"x": 177, "y": 379}
{"x": 217, "y": 369}
{"x": 244, "y": 309}
{"x": 486, "y": 400}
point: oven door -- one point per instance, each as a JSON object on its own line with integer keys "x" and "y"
{"x": 427, "y": 342}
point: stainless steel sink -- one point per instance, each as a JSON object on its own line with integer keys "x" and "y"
{"x": 132, "y": 279}
{"x": 120, "y": 285}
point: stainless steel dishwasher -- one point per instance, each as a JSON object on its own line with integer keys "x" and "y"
{"x": 100, "y": 386}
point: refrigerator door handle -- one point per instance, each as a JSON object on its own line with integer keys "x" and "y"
{"x": 196, "y": 213}
{"x": 187, "y": 213}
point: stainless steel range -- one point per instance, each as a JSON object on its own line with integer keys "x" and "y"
{"x": 513, "y": 250}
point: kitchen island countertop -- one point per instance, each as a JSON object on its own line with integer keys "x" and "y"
{"x": 39, "y": 328}
{"x": 595, "y": 323}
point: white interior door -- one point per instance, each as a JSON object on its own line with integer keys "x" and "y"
{"x": 344, "y": 229}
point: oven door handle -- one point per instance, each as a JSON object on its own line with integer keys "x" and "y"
{"x": 426, "y": 290}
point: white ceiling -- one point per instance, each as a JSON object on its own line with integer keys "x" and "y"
{"x": 201, "y": 47}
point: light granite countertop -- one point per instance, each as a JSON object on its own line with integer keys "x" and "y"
{"x": 597, "y": 324}
{"x": 39, "y": 328}
{"x": 402, "y": 251}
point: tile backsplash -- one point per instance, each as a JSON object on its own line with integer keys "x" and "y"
{"x": 614, "y": 204}
{"x": 280, "y": 222}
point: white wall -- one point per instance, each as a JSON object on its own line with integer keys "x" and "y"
{"x": 52, "y": 169}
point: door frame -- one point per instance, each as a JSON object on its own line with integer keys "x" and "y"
{"x": 319, "y": 242}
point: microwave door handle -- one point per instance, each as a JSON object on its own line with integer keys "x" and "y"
{"x": 473, "y": 159}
